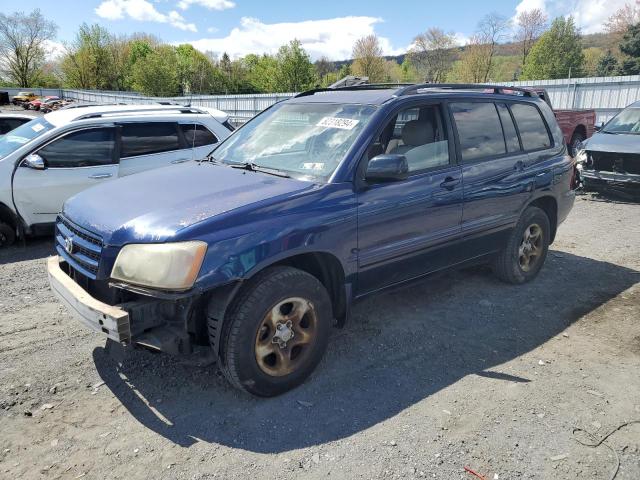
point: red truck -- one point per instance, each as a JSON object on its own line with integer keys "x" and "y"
{"x": 576, "y": 125}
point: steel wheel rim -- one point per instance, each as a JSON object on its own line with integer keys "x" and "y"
{"x": 286, "y": 336}
{"x": 530, "y": 249}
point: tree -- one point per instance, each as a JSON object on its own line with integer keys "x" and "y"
{"x": 530, "y": 25}
{"x": 492, "y": 30}
{"x": 623, "y": 18}
{"x": 196, "y": 73}
{"x": 262, "y": 73}
{"x": 474, "y": 61}
{"x": 607, "y": 66}
{"x": 592, "y": 58}
{"x": 323, "y": 67}
{"x": 557, "y": 53}
{"x": 432, "y": 54}
{"x": 630, "y": 47}
{"x": 156, "y": 74}
{"x": 23, "y": 45}
{"x": 368, "y": 60}
{"x": 295, "y": 71}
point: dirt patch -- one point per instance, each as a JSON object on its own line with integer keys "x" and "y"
{"x": 457, "y": 371}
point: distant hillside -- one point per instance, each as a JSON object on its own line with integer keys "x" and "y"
{"x": 603, "y": 41}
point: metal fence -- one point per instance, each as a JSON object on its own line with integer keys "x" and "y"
{"x": 607, "y": 95}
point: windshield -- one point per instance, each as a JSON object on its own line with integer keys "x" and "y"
{"x": 23, "y": 134}
{"x": 302, "y": 140}
{"x": 627, "y": 121}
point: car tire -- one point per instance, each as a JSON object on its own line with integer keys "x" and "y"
{"x": 526, "y": 250}
{"x": 257, "y": 353}
{"x": 576, "y": 141}
{"x": 7, "y": 235}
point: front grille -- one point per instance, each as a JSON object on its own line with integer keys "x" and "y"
{"x": 615, "y": 162}
{"x": 79, "y": 247}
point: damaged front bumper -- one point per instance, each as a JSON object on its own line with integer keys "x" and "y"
{"x": 92, "y": 313}
{"x": 626, "y": 183}
{"x": 158, "y": 324}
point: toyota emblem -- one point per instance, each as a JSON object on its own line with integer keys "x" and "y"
{"x": 68, "y": 245}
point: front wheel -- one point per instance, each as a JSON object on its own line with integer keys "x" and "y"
{"x": 7, "y": 235}
{"x": 576, "y": 143}
{"x": 276, "y": 331}
{"x": 526, "y": 249}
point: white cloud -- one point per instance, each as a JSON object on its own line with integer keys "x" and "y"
{"x": 333, "y": 38}
{"x": 590, "y": 15}
{"x": 210, "y": 4}
{"x": 212, "y": 30}
{"x": 53, "y": 50}
{"x": 143, "y": 11}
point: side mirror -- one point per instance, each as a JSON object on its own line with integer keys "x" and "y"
{"x": 597, "y": 128}
{"x": 34, "y": 161}
{"x": 387, "y": 168}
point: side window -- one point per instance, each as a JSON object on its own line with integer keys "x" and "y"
{"x": 510, "y": 134}
{"x": 533, "y": 130}
{"x": 8, "y": 124}
{"x": 197, "y": 135}
{"x": 419, "y": 134}
{"x": 148, "y": 138}
{"x": 86, "y": 148}
{"x": 479, "y": 130}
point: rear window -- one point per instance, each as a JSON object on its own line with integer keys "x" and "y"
{"x": 533, "y": 130}
{"x": 148, "y": 138}
{"x": 479, "y": 130}
{"x": 196, "y": 135}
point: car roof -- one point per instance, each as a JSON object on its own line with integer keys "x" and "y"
{"x": 382, "y": 93}
{"x": 86, "y": 111}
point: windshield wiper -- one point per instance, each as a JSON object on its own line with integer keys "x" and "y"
{"x": 252, "y": 167}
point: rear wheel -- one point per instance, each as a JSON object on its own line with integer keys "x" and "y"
{"x": 276, "y": 332}
{"x": 7, "y": 235}
{"x": 526, "y": 250}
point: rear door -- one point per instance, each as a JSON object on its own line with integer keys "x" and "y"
{"x": 147, "y": 145}
{"x": 73, "y": 162}
{"x": 493, "y": 171}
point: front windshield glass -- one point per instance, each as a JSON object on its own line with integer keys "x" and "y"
{"x": 627, "y": 121}
{"x": 24, "y": 133}
{"x": 302, "y": 140}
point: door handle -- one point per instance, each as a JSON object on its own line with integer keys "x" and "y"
{"x": 100, "y": 176}
{"x": 450, "y": 183}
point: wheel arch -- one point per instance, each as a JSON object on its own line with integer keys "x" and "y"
{"x": 7, "y": 216}
{"x": 549, "y": 205}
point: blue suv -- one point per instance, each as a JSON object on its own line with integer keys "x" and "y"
{"x": 257, "y": 250}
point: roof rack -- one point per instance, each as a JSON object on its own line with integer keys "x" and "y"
{"x": 497, "y": 89}
{"x": 163, "y": 108}
{"x": 365, "y": 86}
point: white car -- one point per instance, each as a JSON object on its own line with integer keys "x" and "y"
{"x": 51, "y": 158}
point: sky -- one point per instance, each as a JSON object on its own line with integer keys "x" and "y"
{"x": 325, "y": 28}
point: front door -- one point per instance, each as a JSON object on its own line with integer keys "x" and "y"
{"x": 72, "y": 163}
{"x": 402, "y": 226}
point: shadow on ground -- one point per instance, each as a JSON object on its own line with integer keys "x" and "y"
{"x": 30, "y": 249}
{"x": 399, "y": 349}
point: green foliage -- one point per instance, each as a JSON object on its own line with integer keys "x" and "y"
{"x": 630, "y": 47}
{"x": 295, "y": 72}
{"x": 607, "y": 66}
{"x": 557, "y": 52}
{"x": 156, "y": 74}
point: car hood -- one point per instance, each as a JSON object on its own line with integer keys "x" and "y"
{"x": 153, "y": 206}
{"x": 616, "y": 143}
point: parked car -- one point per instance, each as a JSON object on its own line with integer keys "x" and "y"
{"x": 49, "y": 159}
{"x": 576, "y": 125}
{"x": 610, "y": 160}
{"x": 23, "y": 97}
{"x": 53, "y": 105}
{"x": 10, "y": 121}
{"x": 38, "y": 102}
{"x": 317, "y": 202}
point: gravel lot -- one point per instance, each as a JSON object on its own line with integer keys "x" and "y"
{"x": 459, "y": 370}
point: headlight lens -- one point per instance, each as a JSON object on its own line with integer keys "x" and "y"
{"x": 581, "y": 156}
{"x": 168, "y": 266}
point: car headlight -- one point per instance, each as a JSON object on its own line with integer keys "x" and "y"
{"x": 167, "y": 266}
{"x": 581, "y": 156}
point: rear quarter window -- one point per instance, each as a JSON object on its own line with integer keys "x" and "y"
{"x": 533, "y": 131}
{"x": 479, "y": 130}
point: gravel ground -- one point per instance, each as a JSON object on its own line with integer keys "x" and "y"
{"x": 459, "y": 370}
